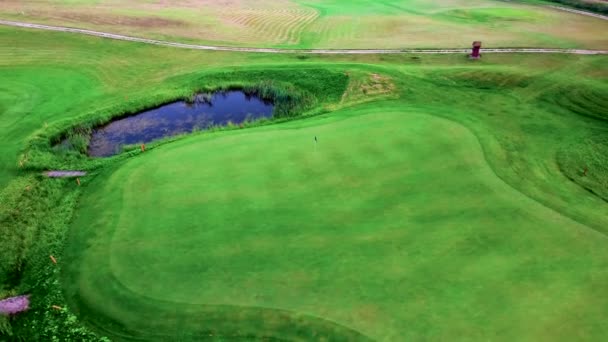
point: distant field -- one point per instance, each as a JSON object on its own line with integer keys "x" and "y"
{"x": 324, "y": 24}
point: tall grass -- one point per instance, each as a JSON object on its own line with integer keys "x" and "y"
{"x": 586, "y": 163}
{"x": 34, "y": 214}
{"x": 287, "y": 99}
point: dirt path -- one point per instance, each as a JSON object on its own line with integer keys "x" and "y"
{"x": 572, "y": 10}
{"x": 301, "y": 51}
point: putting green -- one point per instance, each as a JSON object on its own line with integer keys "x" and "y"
{"x": 391, "y": 227}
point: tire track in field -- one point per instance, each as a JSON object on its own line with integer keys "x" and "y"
{"x": 294, "y": 51}
{"x": 280, "y": 26}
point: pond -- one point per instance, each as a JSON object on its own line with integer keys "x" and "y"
{"x": 179, "y": 117}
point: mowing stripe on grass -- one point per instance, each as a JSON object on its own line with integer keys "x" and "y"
{"x": 305, "y": 51}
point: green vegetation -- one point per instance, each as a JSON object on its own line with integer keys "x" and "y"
{"x": 586, "y": 163}
{"x": 326, "y": 23}
{"x": 34, "y": 213}
{"x": 291, "y": 99}
{"x": 444, "y": 197}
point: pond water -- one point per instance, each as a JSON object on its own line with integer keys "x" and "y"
{"x": 177, "y": 118}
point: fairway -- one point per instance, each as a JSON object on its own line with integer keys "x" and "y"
{"x": 327, "y": 24}
{"x": 387, "y": 197}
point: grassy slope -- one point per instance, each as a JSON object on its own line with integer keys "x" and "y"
{"x": 325, "y": 24}
{"x": 513, "y": 105}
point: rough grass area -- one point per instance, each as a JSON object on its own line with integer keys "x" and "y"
{"x": 365, "y": 87}
{"x": 326, "y": 23}
{"x": 33, "y": 215}
{"x": 586, "y": 163}
{"x": 581, "y": 98}
{"x": 438, "y": 201}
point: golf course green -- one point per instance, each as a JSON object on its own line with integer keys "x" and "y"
{"x": 391, "y": 218}
{"x": 395, "y": 197}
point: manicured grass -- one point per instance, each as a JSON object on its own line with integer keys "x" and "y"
{"x": 435, "y": 204}
{"x": 392, "y": 224}
{"x": 326, "y": 23}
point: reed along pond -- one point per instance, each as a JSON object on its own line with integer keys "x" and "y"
{"x": 179, "y": 117}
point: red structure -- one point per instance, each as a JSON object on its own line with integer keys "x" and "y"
{"x": 476, "y": 48}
